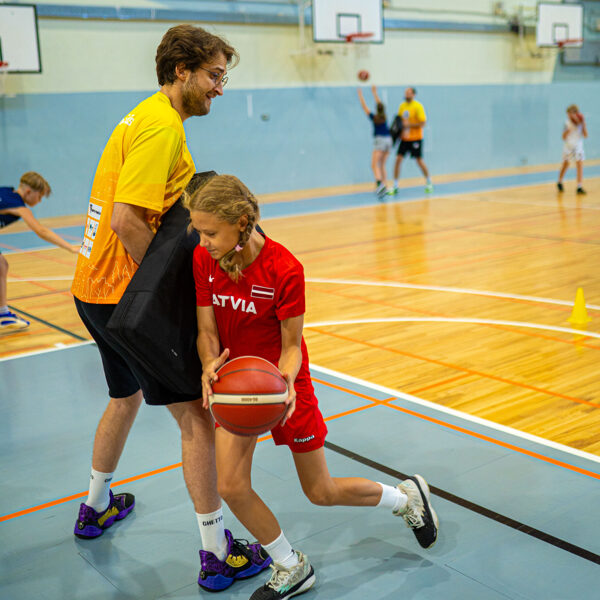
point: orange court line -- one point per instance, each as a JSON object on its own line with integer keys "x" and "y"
{"x": 374, "y": 402}
{"x": 457, "y": 368}
{"x": 486, "y": 438}
{"x": 438, "y": 383}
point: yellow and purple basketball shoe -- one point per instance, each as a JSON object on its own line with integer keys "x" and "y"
{"x": 91, "y": 524}
{"x": 243, "y": 560}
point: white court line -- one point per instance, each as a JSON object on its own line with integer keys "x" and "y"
{"x": 453, "y": 290}
{"x": 47, "y": 350}
{"x": 457, "y": 413}
{"x": 578, "y": 332}
{"x": 396, "y": 394}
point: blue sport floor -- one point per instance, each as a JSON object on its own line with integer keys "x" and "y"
{"x": 518, "y": 519}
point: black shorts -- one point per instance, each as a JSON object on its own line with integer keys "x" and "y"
{"x": 124, "y": 374}
{"x": 415, "y": 148}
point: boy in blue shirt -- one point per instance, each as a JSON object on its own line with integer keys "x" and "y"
{"x": 15, "y": 205}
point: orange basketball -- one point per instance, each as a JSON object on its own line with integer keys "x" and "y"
{"x": 363, "y": 75}
{"x": 249, "y": 396}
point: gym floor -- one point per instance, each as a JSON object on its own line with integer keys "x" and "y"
{"x": 443, "y": 348}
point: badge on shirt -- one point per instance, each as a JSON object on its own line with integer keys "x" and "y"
{"x": 264, "y": 293}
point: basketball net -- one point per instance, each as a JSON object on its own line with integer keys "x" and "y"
{"x": 355, "y": 41}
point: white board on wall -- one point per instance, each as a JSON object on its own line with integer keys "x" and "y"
{"x": 333, "y": 20}
{"x": 19, "y": 41}
{"x": 559, "y": 22}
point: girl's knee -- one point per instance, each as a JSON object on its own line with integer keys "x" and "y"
{"x": 233, "y": 490}
{"x": 320, "y": 495}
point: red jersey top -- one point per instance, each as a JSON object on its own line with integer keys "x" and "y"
{"x": 249, "y": 312}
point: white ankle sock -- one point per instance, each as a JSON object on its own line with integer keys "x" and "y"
{"x": 212, "y": 532}
{"x": 98, "y": 494}
{"x": 392, "y": 497}
{"x": 281, "y": 552}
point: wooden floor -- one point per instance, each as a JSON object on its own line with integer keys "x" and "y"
{"x": 509, "y": 243}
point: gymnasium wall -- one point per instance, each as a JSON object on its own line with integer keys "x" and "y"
{"x": 292, "y": 120}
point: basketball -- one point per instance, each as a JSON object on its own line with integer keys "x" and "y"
{"x": 249, "y": 396}
{"x": 363, "y": 75}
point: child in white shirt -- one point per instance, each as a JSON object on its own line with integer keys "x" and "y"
{"x": 574, "y": 132}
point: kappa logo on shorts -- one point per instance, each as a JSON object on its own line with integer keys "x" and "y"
{"x": 304, "y": 440}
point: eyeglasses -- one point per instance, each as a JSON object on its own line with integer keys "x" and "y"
{"x": 217, "y": 78}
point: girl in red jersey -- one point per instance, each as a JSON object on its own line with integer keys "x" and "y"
{"x": 250, "y": 297}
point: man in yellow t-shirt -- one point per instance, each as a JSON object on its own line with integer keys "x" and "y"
{"x": 143, "y": 169}
{"x": 413, "y": 118}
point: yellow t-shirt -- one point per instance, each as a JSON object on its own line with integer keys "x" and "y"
{"x": 415, "y": 113}
{"x": 146, "y": 163}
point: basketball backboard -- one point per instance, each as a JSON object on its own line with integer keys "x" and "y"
{"x": 557, "y": 23}
{"x": 334, "y": 20}
{"x": 19, "y": 43}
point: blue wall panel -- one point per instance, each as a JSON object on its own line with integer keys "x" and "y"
{"x": 310, "y": 137}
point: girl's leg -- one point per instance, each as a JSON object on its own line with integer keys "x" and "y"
{"x": 410, "y": 499}
{"x": 383, "y": 156}
{"x": 375, "y": 165}
{"x": 563, "y": 170}
{"x": 234, "y": 466}
{"x": 579, "y": 165}
{"x": 323, "y": 489}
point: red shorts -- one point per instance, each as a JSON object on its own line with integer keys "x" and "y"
{"x": 305, "y": 430}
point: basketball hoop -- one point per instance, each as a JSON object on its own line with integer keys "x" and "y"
{"x": 564, "y": 44}
{"x": 351, "y": 38}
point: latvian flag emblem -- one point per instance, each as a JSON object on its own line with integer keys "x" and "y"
{"x": 264, "y": 293}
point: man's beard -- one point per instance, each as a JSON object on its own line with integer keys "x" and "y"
{"x": 193, "y": 99}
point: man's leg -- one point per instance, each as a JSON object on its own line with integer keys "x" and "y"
{"x": 425, "y": 171}
{"x": 222, "y": 559}
{"x": 198, "y": 454}
{"x": 113, "y": 430}
{"x": 397, "y": 166}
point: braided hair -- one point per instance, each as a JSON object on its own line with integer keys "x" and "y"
{"x": 226, "y": 197}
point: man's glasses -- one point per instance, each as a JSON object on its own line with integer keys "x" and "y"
{"x": 217, "y": 78}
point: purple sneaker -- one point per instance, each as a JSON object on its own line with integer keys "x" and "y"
{"x": 91, "y": 524}
{"x": 243, "y": 560}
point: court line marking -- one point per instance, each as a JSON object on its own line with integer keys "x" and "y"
{"x": 525, "y": 324}
{"x": 472, "y": 506}
{"x": 453, "y": 290}
{"x": 393, "y": 395}
{"x": 47, "y": 350}
{"x": 456, "y": 413}
{"x": 47, "y": 323}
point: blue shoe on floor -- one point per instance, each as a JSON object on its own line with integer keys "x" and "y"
{"x": 91, "y": 524}
{"x": 9, "y": 321}
{"x": 243, "y": 560}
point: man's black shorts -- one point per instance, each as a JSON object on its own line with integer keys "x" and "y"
{"x": 124, "y": 375}
{"x": 415, "y": 148}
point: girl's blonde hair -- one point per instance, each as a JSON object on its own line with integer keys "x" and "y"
{"x": 226, "y": 197}
{"x": 573, "y": 108}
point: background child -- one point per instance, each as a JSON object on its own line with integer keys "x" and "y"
{"x": 15, "y": 205}
{"x": 573, "y": 134}
{"x": 382, "y": 141}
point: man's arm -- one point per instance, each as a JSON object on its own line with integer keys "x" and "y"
{"x": 129, "y": 224}
{"x": 40, "y": 230}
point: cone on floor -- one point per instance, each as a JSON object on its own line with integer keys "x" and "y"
{"x": 579, "y": 315}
